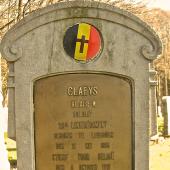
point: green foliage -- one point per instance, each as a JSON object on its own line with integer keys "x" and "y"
{"x": 160, "y": 125}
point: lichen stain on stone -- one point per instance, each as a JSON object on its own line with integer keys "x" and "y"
{"x": 78, "y": 12}
{"x": 110, "y": 51}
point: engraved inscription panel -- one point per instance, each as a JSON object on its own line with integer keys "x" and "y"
{"x": 83, "y": 121}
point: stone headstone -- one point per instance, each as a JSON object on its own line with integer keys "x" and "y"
{"x": 79, "y": 88}
{"x": 166, "y": 115}
{"x": 153, "y": 102}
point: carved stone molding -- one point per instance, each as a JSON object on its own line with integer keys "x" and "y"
{"x": 11, "y": 102}
{"x": 150, "y": 52}
{"x": 152, "y": 77}
{"x": 79, "y": 9}
{"x": 12, "y": 53}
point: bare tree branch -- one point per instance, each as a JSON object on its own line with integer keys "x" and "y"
{"x": 25, "y": 7}
{"x": 6, "y": 25}
{"x": 19, "y": 10}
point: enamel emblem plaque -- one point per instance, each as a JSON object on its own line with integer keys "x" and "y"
{"x": 82, "y": 42}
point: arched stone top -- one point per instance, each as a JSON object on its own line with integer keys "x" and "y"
{"x": 79, "y": 9}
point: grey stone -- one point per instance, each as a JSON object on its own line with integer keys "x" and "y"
{"x": 166, "y": 114}
{"x": 34, "y": 49}
{"x": 153, "y": 102}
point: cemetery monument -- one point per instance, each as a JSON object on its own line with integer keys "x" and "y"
{"x": 79, "y": 87}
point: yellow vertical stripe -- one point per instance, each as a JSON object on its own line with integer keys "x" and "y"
{"x": 83, "y": 30}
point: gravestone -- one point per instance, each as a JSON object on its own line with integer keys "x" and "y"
{"x": 166, "y": 114}
{"x": 153, "y": 102}
{"x": 79, "y": 88}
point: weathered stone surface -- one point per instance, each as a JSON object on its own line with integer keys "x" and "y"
{"x": 80, "y": 119}
{"x": 34, "y": 49}
{"x": 153, "y": 102}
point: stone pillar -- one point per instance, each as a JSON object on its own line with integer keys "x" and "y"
{"x": 166, "y": 114}
{"x": 152, "y": 102}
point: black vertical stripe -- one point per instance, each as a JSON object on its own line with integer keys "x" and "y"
{"x": 70, "y": 39}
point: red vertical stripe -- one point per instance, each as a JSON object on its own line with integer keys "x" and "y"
{"x": 94, "y": 43}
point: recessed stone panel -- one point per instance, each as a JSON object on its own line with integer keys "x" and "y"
{"x": 83, "y": 121}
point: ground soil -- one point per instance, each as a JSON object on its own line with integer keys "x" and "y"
{"x": 160, "y": 155}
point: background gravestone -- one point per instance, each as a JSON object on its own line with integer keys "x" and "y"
{"x": 166, "y": 111}
{"x": 153, "y": 102}
{"x": 84, "y": 105}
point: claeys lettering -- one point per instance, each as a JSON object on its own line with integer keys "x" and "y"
{"x": 82, "y": 91}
